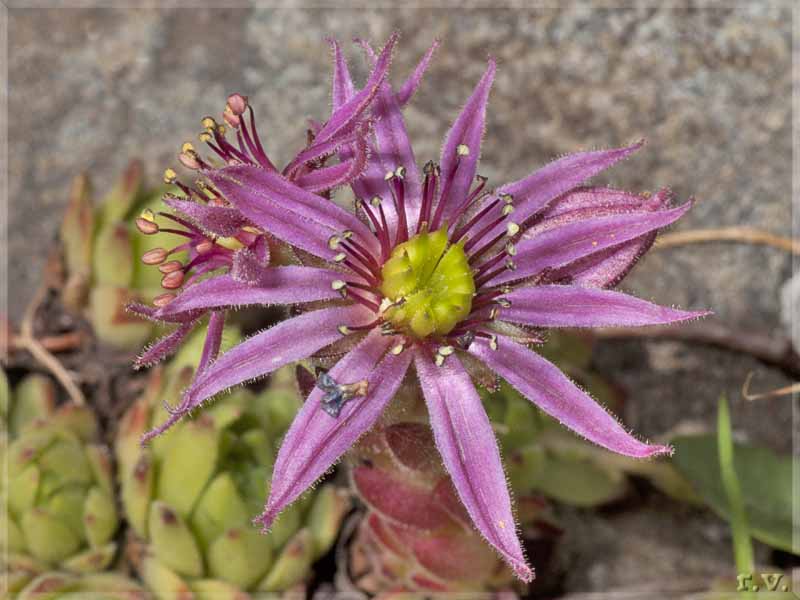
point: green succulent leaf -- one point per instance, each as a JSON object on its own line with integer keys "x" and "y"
{"x": 137, "y": 484}
{"x": 34, "y": 399}
{"x": 99, "y": 517}
{"x": 163, "y": 581}
{"x": 765, "y": 478}
{"x": 48, "y": 538}
{"x": 112, "y": 324}
{"x": 89, "y": 561}
{"x": 240, "y": 556}
{"x": 220, "y": 508}
{"x": 292, "y": 566}
{"x": 172, "y": 541}
{"x": 188, "y": 463}
{"x": 48, "y": 586}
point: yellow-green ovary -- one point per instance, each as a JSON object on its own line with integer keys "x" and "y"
{"x": 431, "y": 282}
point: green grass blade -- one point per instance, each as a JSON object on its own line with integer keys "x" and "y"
{"x": 742, "y": 545}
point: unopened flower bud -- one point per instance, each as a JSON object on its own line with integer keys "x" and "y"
{"x": 145, "y": 226}
{"x": 172, "y": 281}
{"x": 204, "y": 246}
{"x": 170, "y": 266}
{"x": 231, "y": 119}
{"x": 163, "y": 299}
{"x": 189, "y": 160}
{"x": 154, "y": 257}
{"x": 237, "y": 103}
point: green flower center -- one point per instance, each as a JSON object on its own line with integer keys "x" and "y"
{"x": 429, "y": 283}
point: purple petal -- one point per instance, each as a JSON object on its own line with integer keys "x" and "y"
{"x": 342, "y": 84}
{"x": 575, "y": 306}
{"x": 410, "y": 85}
{"x": 247, "y": 267}
{"x": 277, "y": 285}
{"x": 349, "y": 112}
{"x": 467, "y": 130}
{"x": 532, "y": 193}
{"x": 152, "y": 313}
{"x": 546, "y": 386}
{"x": 289, "y": 341}
{"x": 287, "y": 211}
{"x": 213, "y": 341}
{"x": 391, "y": 148}
{"x": 320, "y": 149}
{"x": 315, "y": 440}
{"x": 331, "y": 177}
{"x": 604, "y": 198}
{"x": 605, "y": 269}
{"x": 218, "y": 220}
{"x": 469, "y": 450}
{"x": 164, "y": 347}
{"x": 581, "y": 236}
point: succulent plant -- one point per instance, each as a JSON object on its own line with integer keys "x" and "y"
{"x": 415, "y": 536}
{"x": 59, "y": 585}
{"x": 102, "y": 256}
{"x": 191, "y": 494}
{"x": 59, "y": 494}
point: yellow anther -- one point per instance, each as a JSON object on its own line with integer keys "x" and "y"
{"x": 462, "y": 150}
{"x": 187, "y": 148}
{"x": 208, "y": 122}
{"x": 512, "y": 229}
{"x": 170, "y": 176}
{"x": 148, "y": 215}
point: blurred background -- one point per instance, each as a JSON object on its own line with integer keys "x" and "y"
{"x": 707, "y": 84}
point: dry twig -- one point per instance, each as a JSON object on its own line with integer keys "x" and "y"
{"x": 26, "y": 340}
{"x": 746, "y": 235}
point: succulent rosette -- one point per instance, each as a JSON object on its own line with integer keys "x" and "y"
{"x": 59, "y": 513}
{"x": 189, "y": 498}
{"x": 428, "y": 271}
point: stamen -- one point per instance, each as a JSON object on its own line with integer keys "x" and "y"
{"x": 170, "y": 176}
{"x": 365, "y": 257}
{"x": 362, "y": 300}
{"x": 170, "y": 266}
{"x": 474, "y": 195}
{"x": 398, "y": 191}
{"x": 459, "y": 233}
{"x": 146, "y": 226}
{"x": 172, "y": 281}
{"x": 154, "y": 257}
{"x": 428, "y": 191}
{"x": 386, "y": 243}
{"x": 507, "y": 266}
{"x": 396, "y": 350}
{"x": 204, "y": 247}
{"x": 163, "y": 299}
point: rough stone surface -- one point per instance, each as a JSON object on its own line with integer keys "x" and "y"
{"x": 708, "y": 87}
